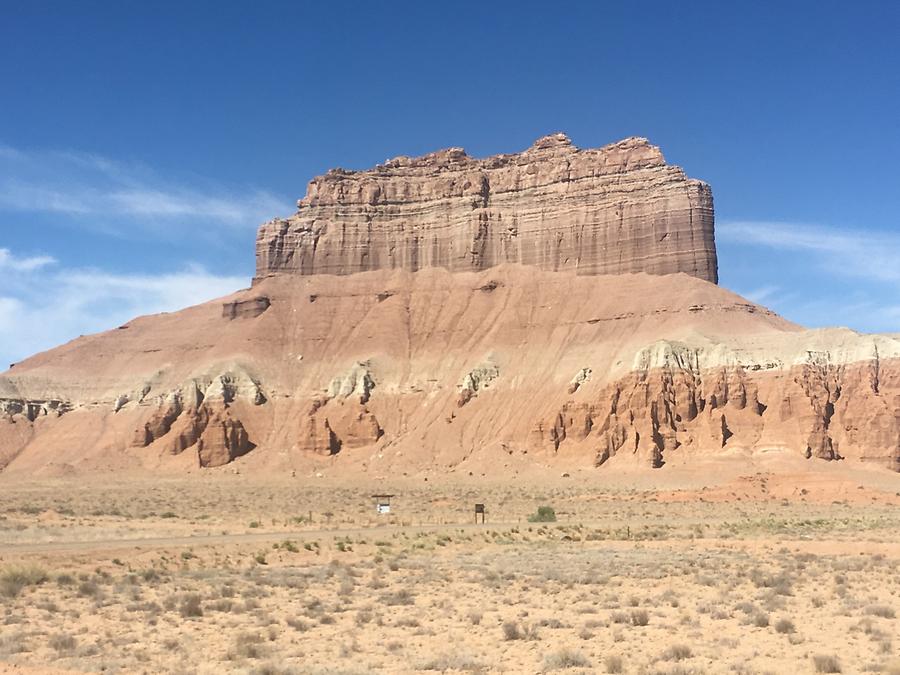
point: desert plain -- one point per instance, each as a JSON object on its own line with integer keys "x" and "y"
{"x": 676, "y": 479}
{"x": 773, "y": 565}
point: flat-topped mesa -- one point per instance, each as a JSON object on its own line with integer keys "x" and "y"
{"x": 611, "y": 210}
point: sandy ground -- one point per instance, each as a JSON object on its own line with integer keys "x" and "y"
{"x": 743, "y": 570}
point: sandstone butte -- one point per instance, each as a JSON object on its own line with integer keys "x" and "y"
{"x": 444, "y": 314}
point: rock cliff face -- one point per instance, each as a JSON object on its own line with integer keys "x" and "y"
{"x": 617, "y": 209}
{"x": 447, "y": 314}
{"x": 821, "y": 405}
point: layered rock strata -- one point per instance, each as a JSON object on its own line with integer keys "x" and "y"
{"x": 446, "y": 313}
{"x": 394, "y": 372}
{"x": 820, "y": 405}
{"x": 613, "y": 210}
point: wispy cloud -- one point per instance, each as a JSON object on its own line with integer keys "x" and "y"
{"x": 48, "y": 299}
{"x": 86, "y": 300}
{"x": 818, "y": 275}
{"x": 868, "y": 254}
{"x": 10, "y": 262}
{"x": 91, "y": 190}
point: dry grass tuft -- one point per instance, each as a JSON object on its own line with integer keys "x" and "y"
{"x": 512, "y": 631}
{"x": 882, "y": 611}
{"x": 463, "y": 663}
{"x": 15, "y": 578}
{"x": 640, "y": 617}
{"x": 564, "y": 659}
{"x": 613, "y": 664}
{"x": 63, "y": 643}
{"x": 677, "y": 653}
{"x": 826, "y": 663}
{"x": 785, "y": 626}
{"x": 191, "y": 606}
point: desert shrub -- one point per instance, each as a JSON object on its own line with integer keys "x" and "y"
{"x": 565, "y": 658}
{"x": 247, "y": 646}
{"x": 377, "y": 581}
{"x": 883, "y": 611}
{"x": 551, "y": 623}
{"x": 512, "y": 631}
{"x": 222, "y": 605}
{"x": 781, "y": 584}
{"x": 826, "y": 663}
{"x": 190, "y": 606}
{"x": 298, "y": 624}
{"x": 785, "y": 626}
{"x": 640, "y": 617}
{"x": 348, "y": 649}
{"x": 15, "y": 578}
{"x": 772, "y": 602}
{"x": 452, "y": 662}
{"x": 401, "y": 597}
{"x": 346, "y": 587}
{"x": 272, "y": 669}
{"x": 172, "y": 644}
{"x": 62, "y": 643}
{"x": 13, "y": 643}
{"x": 761, "y": 620}
{"x": 150, "y": 575}
{"x": 88, "y": 589}
{"x": 677, "y": 653}
{"x": 613, "y": 664}
{"x": 544, "y": 514}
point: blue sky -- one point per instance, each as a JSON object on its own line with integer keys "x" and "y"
{"x": 142, "y": 143}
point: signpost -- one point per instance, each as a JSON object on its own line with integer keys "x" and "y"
{"x": 382, "y": 504}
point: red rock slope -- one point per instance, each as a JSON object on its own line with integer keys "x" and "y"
{"x": 393, "y": 370}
